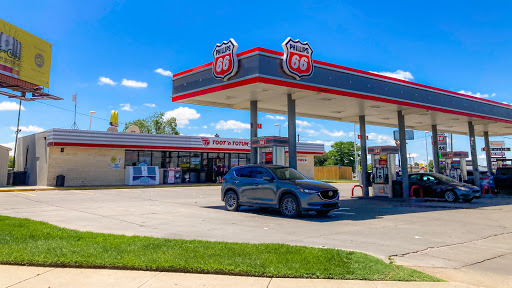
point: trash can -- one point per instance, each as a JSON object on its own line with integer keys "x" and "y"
{"x": 396, "y": 186}
{"x": 19, "y": 178}
{"x": 60, "y": 181}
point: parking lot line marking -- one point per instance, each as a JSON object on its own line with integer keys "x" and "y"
{"x": 26, "y": 193}
{"x": 347, "y": 213}
{"x": 75, "y": 191}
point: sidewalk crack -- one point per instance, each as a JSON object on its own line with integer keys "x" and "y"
{"x": 269, "y": 282}
{"x": 149, "y": 279}
{"x": 30, "y": 278}
{"x": 482, "y": 261}
{"x": 448, "y": 245}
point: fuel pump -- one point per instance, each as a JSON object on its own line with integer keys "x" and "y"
{"x": 456, "y": 164}
{"x": 271, "y": 149}
{"x": 383, "y": 169}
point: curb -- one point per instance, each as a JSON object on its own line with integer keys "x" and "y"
{"x": 104, "y": 187}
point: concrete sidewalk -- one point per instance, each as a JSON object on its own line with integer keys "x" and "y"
{"x": 48, "y": 188}
{"x": 33, "y": 277}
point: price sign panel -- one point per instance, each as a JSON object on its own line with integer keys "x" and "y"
{"x": 297, "y": 60}
{"x": 225, "y": 62}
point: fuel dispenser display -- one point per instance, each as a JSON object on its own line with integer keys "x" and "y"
{"x": 456, "y": 164}
{"x": 271, "y": 149}
{"x": 383, "y": 169}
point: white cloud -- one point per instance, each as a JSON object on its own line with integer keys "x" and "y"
{"x": 381, "y": 139}
{"x": 9, "y": 145}
{"x": 478, "y": 94}
{"x": 183, "y": 115}
{"x": 205, "y": 127}
{"x": 28, "y": 129}
{"x": 10, "y": 106}
{"x": 413, "y": 155}
{"x": 309, "y": 132}
{"x": 150, "y": 105}
{"x": 327, "y": 143}
{"x": 481, "y": 156}
{"x": 303, "y": 123}
{"x": 134, "y": 84}
{"x": 237, "y": 126}
{"x": 106, "y": 81}
{"x": 163, "y": 72}
{"x": 126, "y": 107}
{"x": 276, "y": 117}
{"x": 206, "y": 135}
{"x": 399, "y": 74}
{"x": 334, "y": 133}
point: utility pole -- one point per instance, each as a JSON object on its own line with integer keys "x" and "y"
{"x": 356, "y": 164}
{"x": 426, "y": 149}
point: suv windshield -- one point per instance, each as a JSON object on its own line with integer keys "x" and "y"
{"x": 285, "y": 173}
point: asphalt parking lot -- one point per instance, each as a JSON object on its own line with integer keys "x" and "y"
{"x": 468, "y": 242}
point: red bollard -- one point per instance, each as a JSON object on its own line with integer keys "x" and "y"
{"x": 411, "y": 192}
{"x": 355, "y": 187}
{"x": 486, "y": 188}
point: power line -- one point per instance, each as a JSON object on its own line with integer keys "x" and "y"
{"x": 69, "y": 110}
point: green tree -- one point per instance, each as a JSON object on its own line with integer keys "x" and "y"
{"x": 155, "y": 124}
{"x": 321, "y": 159}
{"x": 341, "y": 153}
{"x": 10, "y": 165}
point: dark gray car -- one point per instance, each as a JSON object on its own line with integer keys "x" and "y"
{"x": 276, "y": 186}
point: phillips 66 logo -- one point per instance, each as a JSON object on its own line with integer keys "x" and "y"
{"x": 225, "y": 63}
{"x": 297, "y": 61}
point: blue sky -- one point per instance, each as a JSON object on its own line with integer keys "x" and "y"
{"x": 452, "y": 45}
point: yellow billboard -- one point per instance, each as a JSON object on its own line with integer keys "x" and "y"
{"x": 24, "y": 56}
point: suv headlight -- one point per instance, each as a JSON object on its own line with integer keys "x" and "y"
{"x": 307, "y": 190}
{"x": 464, "y": 188}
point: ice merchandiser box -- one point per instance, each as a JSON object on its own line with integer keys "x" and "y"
{"x": 142, "y": 175}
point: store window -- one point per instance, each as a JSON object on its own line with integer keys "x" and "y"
{"x": 131, "y": 158}
{"x": 144, "y": 157}
{"x": 184, "y": 160}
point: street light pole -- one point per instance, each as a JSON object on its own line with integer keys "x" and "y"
{"x": 279, "y": 128}
{"x": 90, "y": 118}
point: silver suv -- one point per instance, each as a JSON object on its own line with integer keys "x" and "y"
{"x": 276, "y": 186}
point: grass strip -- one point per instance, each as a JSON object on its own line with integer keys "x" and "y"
{"x": 29, "y": 242}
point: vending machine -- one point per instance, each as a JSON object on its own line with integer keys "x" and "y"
{"x": 383, "y": 169}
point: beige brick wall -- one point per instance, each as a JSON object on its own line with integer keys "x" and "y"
{"x": 85, "y": 166}
{"x": 308, "y": 169}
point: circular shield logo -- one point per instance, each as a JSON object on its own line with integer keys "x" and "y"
{"x": 330, "y": 193}
{"x": 39, "y": 60}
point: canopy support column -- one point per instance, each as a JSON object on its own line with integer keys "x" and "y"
{"x": 474, "y": 155}
{"x": 403, "y": 155}
{"x": 488, "y": 152}
{"x": 254, "y": 131}
{"x": 364, "y": 156}
{"x": 435, "y": 149}
{"x": 292, "y": 132}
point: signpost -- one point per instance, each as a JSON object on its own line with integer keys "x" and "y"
{"x": 442, "y": 142}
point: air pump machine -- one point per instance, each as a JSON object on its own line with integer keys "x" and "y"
{"x": 383, "y": 169}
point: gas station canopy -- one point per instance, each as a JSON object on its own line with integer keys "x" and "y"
{"x": 339, "y": 93}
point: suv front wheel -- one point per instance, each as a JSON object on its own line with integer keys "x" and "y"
{"x": 289, "y": 206}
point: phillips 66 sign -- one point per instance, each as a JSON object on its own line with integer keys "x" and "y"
{"x": 297, "y": 60}
{"x": 225, "y": 63}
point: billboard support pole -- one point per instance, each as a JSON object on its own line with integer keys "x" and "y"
{"x": 17, "y": 132}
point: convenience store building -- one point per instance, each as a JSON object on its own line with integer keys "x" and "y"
{"x": 90, "y": 158}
